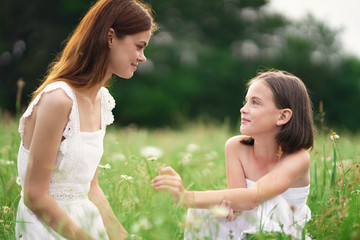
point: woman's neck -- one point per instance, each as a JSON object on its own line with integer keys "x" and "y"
{"x": 90, "y": 93}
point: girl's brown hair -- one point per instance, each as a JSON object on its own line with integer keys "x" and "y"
{"x": 290, "y": 92}
{"x": 84, "y": 60}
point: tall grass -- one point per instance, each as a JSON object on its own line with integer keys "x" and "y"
{"x": 147, "y": 214}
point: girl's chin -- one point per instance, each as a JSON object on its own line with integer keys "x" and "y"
{"x": 243, "y": 130}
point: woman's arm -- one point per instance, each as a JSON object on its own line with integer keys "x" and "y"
{"x": 269, "y": 186}
{"x": 113, "y": 227}
{"x": 52, "y": 114}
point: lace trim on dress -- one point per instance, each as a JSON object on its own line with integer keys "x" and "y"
{"x": 69, "y": 192}
{"x": 108, "y": 104}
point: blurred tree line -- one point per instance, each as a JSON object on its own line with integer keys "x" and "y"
{"x": 198, "y": 61}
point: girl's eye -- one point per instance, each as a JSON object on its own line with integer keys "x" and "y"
{"x": 254, "y": 102}
{"x": 244, "y": 102}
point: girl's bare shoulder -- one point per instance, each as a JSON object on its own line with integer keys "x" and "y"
{"x": 237, "y": 141}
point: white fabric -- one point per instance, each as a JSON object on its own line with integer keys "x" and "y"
{"x": 286, "y": 213}
{"x": 77, "y": 159}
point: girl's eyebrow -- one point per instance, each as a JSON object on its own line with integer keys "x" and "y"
{"x": 253, "y": 97}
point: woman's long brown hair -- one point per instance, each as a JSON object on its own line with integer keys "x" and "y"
{"x": 84, "y": 60}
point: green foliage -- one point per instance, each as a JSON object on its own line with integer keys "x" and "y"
{"x": 197, "y": 153}
{"x": 198, "y": 61}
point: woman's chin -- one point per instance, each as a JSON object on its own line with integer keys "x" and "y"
{"x": 125, "y": 76}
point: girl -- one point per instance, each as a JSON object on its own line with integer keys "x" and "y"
{"x": 63, "y": 128}
{"x": 267, "y": 167}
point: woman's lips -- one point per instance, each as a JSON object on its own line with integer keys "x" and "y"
{"x": 134, "y": 66}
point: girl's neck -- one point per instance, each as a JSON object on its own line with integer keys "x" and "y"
{"x": 266, "y": 150}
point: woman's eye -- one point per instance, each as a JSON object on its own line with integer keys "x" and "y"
{"x": 255, "y": 102}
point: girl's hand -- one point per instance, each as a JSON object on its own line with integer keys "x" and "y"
{"x": 227, "y": 204}
{"x": 169, "y": 180}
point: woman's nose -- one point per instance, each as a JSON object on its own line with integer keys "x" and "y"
{"x": 142, "y": 57}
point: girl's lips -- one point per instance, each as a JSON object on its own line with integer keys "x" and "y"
{"x": 244, "y": 120}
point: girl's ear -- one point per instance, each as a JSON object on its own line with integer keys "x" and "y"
{"x": 284, "y": 117}
{"x": 111, "y": 36}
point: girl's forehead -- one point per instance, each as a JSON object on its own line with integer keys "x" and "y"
{"x": 259, "y": 89}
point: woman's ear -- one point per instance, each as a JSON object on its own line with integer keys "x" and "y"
{"x": 285, "y": 116}
{"x": 111, "y": 36}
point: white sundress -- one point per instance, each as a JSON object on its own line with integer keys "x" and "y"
{"x": 287, "y": 213}
{"x": 76, "y": 163}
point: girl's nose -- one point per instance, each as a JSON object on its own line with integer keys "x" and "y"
{"x": 243, "y": 109}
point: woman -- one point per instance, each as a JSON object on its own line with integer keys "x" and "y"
{"x": 267, "y": 167}
{"x": 63, "y": 128}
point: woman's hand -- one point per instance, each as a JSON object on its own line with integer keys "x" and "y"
{"x": 169, "y": 180}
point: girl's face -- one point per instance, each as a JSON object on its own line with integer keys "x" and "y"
{"x": 126, "y": 53}
{"x": 259, "y": 115}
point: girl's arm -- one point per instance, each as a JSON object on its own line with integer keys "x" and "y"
{"x": 113, "y": 227}
{"x": 51, "y": 116}
{"x": 272, "y": 184}
{"x": 234, "y": 171}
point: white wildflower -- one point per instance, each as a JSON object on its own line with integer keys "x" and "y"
{"x": 206, "y": 171}
{"x": 193, "y": 221}
{"x": 219, "y": 211}
{"x": 151, "y": 153}
{"x": 211, "y": 155}
{"x": 185, "y": 158}
{"x": 334, "y": 136}
{"x": 142, "y": 224}
{"x": 192, "y": 147}
{"x": 135, "y": 227}
{"x": 5, "y": 209}
{"x": 126, "y": 177}
{"x": 119, "y": 157}
{"x": 107, "y": 166}
{"x": 6, "y": 162}
{"x": 210, "y": 164}
{"x": 18, "y": 182}
{"x": 133, "y": 236}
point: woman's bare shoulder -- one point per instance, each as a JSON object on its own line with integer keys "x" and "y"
{"x": 57, "y": 98}
{"x": 55, "y": 103}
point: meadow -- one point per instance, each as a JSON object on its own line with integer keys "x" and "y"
{"x": 196, "y": 151}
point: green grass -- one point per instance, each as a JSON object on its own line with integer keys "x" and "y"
{"x": 334, "y": 197}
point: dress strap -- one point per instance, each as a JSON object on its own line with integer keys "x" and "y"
{"x": 51, "y": 87}
{"x": 107, "y": 105}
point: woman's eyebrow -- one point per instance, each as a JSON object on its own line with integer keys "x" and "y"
{"x": 144, "y": 43}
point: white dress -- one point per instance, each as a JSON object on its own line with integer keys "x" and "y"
{"x": 285, "y": 213}
{"x": 77, "y": 160}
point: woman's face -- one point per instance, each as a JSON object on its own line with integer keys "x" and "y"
{"x": 126, "y": 53}
{"x": 259, "y": 114}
